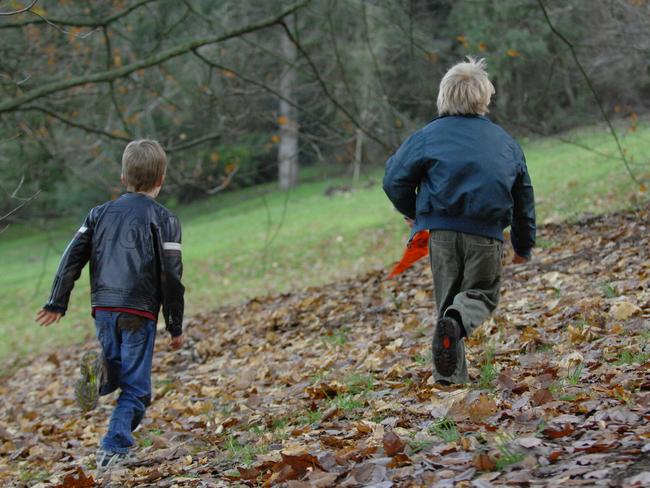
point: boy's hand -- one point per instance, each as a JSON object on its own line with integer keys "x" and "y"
{"x": 517, "y": 259}
{"x": 409, "y": 222}
{"x": 45, "y": 317}
{"x": 177, "y": 342}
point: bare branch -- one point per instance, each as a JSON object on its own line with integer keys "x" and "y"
{"x": 71, "y": 123}
{"x": 111, "y": 84}
{"x": 161, "y": 57}
{"x": 74, "y": 23}
{"x": 223, "y": 184}
{"x": 326, "y": 90}
{"x": 16, "y": 12}
{"x": 569, "y": 44}
{"x": 192, "y": 143}
{"x": 23, "y": 202}
{"x": 248, "y": 80}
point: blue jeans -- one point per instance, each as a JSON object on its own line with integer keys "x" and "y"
{"x": 127, "y": 343}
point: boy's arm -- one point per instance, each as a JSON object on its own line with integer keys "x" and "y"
{"x": 74, "y": 258}
{"x": 404, "y": 172}
{"x": 173, "y": 291}
{"x": 523, "y": 229}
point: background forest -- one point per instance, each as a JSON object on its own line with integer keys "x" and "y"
{"x": 242, "y": 93}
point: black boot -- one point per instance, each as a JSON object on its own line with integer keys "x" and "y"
{"x": 445, "y": 346}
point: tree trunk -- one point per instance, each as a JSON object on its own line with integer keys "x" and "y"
{"x": 358, "y": 157}
{"x": 288, "y": 145}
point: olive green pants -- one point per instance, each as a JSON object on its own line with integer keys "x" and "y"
{"x": 466, "y": 279}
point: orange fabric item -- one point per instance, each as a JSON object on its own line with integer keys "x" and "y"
{"x": 417, "y": 248}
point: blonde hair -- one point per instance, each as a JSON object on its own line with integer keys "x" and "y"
{"x": 465, "y": 89}
{"x": 144, "y": 163}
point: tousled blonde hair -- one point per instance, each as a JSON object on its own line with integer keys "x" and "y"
{"x": 465, "y": 89}
{"x": 144, "y": 163}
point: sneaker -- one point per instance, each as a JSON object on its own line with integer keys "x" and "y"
{"x": 93, "y": 374}
{"x": 445, "y": 346}
{"x": 107, "y": 460}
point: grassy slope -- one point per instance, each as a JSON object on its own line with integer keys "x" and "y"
{"x": 321, "y": 238}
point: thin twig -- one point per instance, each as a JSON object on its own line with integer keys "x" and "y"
{"x": 56, "y": 22}
{"x": 326, "y": 90}
{"x": 61, "y": 29}
{"x": 111, "y": 84}
{"x": 22, "y": 204}
{"x": 224, "y": 184}
{"x": 157, "y": 59}
{"x": 593, "y": 91}
{"x": 16, "y": 12}
{"x": 71, "y": 123}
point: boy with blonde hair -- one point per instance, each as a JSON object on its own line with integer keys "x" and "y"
{"x": 134, "y": 248}
{"x": 464, "y": 179}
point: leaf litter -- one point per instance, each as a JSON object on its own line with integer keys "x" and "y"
{"x": 331, "y": 386}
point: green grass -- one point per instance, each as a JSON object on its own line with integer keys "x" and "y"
{"x": 632, "y": 357}
{"x": 348, "y": 402}
{"x": 358, "y": 383}
{"x": 423, "y": 359}
{"x": 574, "y": 375}
{"x": 242, "y": 244}
{"x": 310, "y": 417}
{"x": 336, "y": 337}
{"x": 508, "y": 455}
{"x": 243, "y": 453}
{"x": 446, "y": 429}
{"x": 488, "y": 371}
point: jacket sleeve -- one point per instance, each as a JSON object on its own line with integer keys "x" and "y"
{"x": 523, "y": 224}
{"x": 404, "y": 172}
{"x": 74, "y": 258}
{"x": 173, "y": 302}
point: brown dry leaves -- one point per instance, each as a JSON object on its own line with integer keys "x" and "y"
{"x": 331, "y": 386}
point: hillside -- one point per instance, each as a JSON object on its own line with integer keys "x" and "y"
{"x": 246, "y": 243}
{"x": 331, "y": 385}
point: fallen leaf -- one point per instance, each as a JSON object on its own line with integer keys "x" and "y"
{"x": 542, "y": 396}
{"x": 392, "y": 443}
{"x": 484, "y": 406}
{"x": 78, "y": 479}
{"x": 624, "y": 310}
{"x": 483, "y": 462}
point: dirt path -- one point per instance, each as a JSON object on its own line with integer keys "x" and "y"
{"x": 331, "y": 386}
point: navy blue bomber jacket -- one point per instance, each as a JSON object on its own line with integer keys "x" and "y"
{"x": 467, "y": 174}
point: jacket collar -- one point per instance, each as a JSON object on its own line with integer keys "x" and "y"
{"x": 469, "y": 116}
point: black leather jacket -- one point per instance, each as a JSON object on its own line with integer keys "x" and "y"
{"x": 134, "y": 248}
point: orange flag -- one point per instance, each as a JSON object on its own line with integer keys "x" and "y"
{"x": 417, "y": 248}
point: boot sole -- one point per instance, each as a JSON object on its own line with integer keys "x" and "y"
{"x": 445, "y": 347}
{"x": 87, "y": 387}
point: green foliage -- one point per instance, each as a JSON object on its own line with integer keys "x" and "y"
{"x": 32, "y": 475}
{"x": 337, "y": 337}
{"x": 348, "y": 402}
{"x": 419, "y": 445}
{"x": 446, "y": 429}
{"x": 632, "y": 357}
{"x": 243, "y": 453}
{"x": 310, "y": 417}
{"x": 608, "y": 290}
{"x": 423, "y": 359}
{"x": 488, "y": 371}
{"x": 518, "y": 44}
{"x": 508, "y": 455}
{"x": 574, "y": 375}
{"x": 358, "y": 383}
